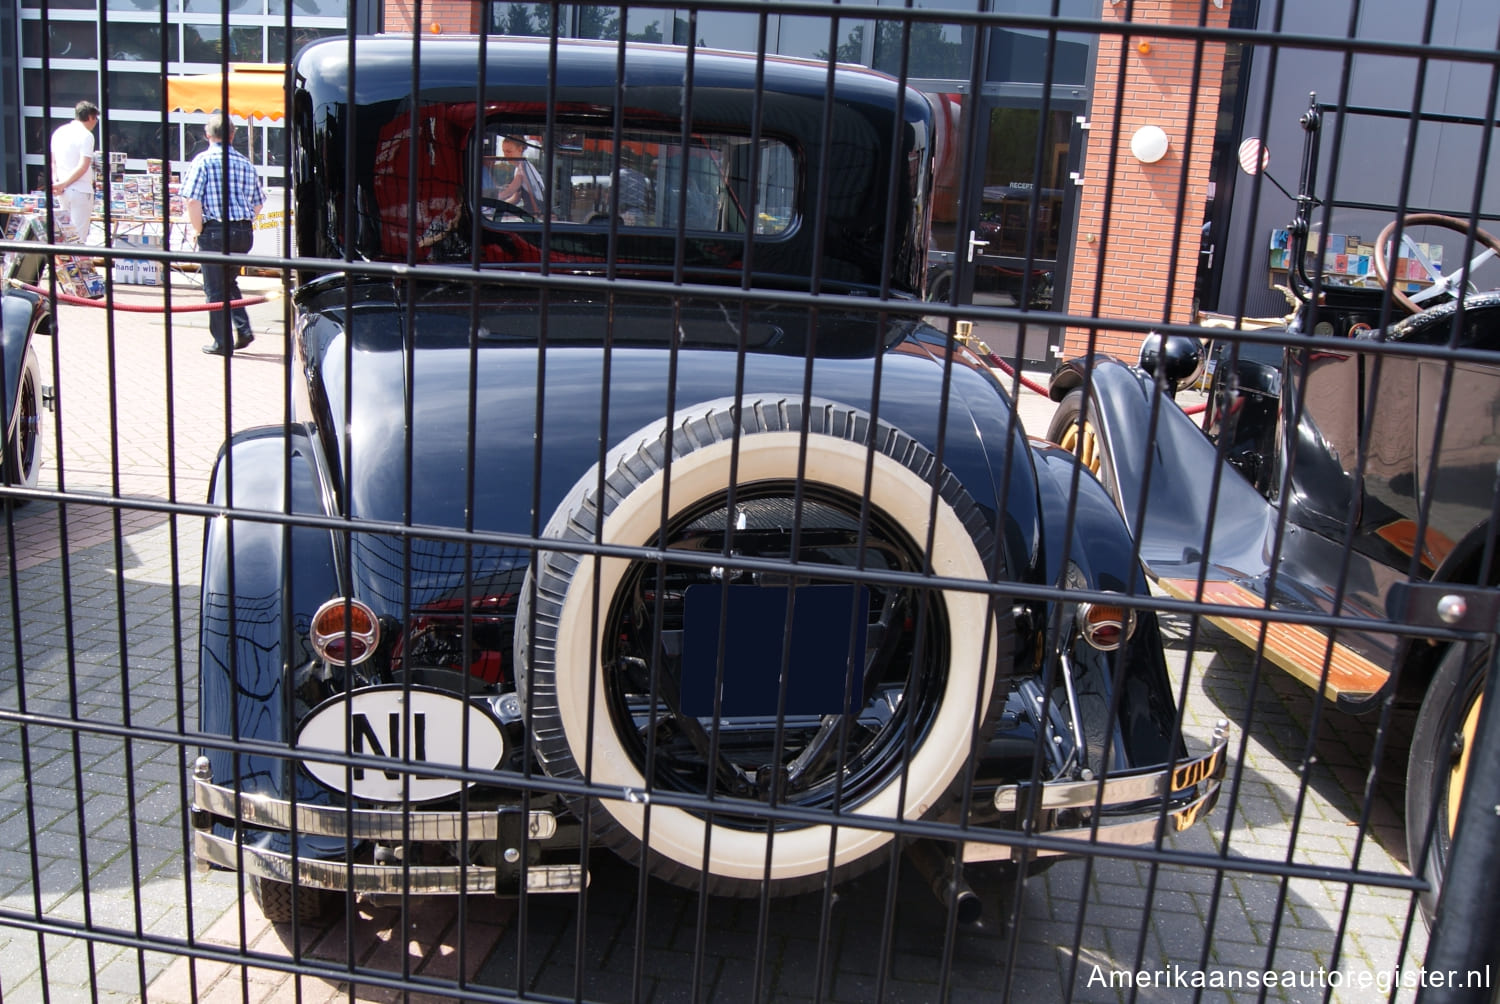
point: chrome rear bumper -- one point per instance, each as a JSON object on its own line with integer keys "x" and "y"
{"x": 1193, "y": 784}
{"x": 212, "y": 801}
{"x": 376, "y": 879}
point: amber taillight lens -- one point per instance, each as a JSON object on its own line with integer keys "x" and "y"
{"x": 344, "y": 631}
{"x": 1105, "y": 626}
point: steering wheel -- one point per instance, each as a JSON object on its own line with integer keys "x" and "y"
{"x": 498, "y": 208}
{"x": 1452, "y": 284}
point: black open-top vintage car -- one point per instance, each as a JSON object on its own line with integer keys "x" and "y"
{"x": 1356, "y": 481}
{"x": 644, "y": 511}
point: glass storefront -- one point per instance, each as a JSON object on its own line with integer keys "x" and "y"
{"x": 936, "y": 50}
{"x": 142, "y": 42}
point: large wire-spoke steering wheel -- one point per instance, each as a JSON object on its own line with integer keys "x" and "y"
{"x": 1454, "y": 283}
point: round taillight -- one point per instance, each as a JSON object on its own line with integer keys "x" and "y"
{"x": 344, "y": 631}
{"x": 1105, "y": 626}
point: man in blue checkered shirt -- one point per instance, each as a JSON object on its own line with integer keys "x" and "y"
{"x": 223, "y": 217}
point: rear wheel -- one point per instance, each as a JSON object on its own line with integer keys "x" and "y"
{"x": 23, "y": 448}
{"x": 1080, "y": 438}
{"x": 275, "y": 901}
{"x": 1441, "y": 745}
{"x": 618, "y": 695}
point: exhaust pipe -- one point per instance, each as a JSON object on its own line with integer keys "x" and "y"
{"x": 945, "y": 877}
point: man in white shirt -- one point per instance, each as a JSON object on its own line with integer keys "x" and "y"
{"x": 73, "y": 171}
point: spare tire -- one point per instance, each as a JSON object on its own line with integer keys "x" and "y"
{"x": 607, "y": 685}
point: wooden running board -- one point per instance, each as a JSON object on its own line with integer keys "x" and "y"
{"x": 1300, "y": 649}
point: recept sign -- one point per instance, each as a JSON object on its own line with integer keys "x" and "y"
{"x": 407, "y": 727}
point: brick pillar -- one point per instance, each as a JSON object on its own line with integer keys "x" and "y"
{"x": 452, "y": 17}
{"x": 1127, "y": 261}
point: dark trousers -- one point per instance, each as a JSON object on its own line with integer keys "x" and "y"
{"x": 221, "y": 283}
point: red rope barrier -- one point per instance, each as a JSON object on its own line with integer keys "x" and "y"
{"x": 137, "y": 308}
{"x": 1009, "y": 370}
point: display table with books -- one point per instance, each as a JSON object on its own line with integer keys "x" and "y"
{"x": 144, "y": 232}
{"x": 26, "y": 221}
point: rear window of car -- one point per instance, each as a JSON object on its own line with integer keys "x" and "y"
{"x": 646, "y": 179}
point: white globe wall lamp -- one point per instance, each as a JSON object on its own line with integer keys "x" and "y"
{"x": 1149, "y": 144}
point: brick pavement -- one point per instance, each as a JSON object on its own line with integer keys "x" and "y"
{"x": 85, "y": 576}
{"x": 76, "y": 802}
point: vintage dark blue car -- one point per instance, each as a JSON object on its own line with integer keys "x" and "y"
{"x": 1357, "y": 469}
{"x": 643, "y": 511}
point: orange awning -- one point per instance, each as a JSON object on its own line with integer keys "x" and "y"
{"x": 255, "y": 89}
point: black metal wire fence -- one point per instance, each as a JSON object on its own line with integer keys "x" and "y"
{"x": 624, "y": 563}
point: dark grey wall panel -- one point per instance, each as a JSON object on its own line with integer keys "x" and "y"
{"x": 1368, "y": 163}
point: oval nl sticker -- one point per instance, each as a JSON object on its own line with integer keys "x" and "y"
{"x": 399, "y": 724}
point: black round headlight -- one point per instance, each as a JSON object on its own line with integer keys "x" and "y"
{"x": 1178, "y": 356}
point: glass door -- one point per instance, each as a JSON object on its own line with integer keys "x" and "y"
{"x": 1013, "y": 248}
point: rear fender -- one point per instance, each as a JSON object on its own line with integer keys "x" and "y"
{"x": 261, "y": 583}
{"x": 1100, "y": 541}
{"x": 1101, "y": 551}
{"x": 1171, "y": 520}
{"x": 1144, "y": 730}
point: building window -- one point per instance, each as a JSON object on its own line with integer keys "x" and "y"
{"x": 145, "y": 91}
{"x": 137, "y": 42}
{"x": 1020, "y": 55}
{"x": 218, "y": 6}
{"x": 145, "y": 139}
{"x": 310, "y": 9}
{"x": 937, "y": 51}
{"x": 204, "y": 43}
{"x": 68, "y": 87}
{"x": 66, "y": 40}
{"x": 276, "y": 48}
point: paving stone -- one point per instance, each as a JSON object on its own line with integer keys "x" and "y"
{"x": 122, "y": 975}
{"x": 738, "y": 978}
